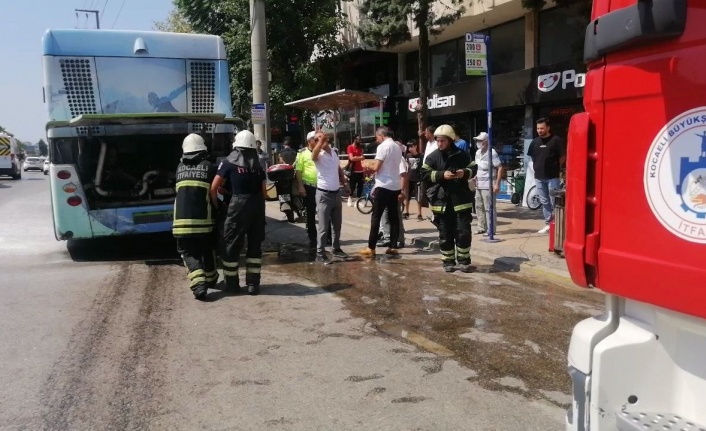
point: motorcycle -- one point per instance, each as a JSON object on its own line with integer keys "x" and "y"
{"x": 290, "y": 204}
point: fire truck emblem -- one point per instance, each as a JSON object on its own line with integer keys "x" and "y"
{"x": 675, "y": 176}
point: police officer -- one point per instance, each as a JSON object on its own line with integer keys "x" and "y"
{"x": 445, "y": 172}
{"x": 245, "y": 214}
{"x": 193, "y": 225}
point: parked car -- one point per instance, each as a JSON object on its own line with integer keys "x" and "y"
{"x": 46, "y": 167}
{"x": 33, "y": 164}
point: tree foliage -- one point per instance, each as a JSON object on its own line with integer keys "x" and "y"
{"x": 386, "y": 23}
{"x": 43, "y": 148}
{"x": 176, "y": 22}
{"x": 298, "y": 32}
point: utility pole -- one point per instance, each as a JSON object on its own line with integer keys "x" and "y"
{"x": 98, "y": 24}
{"x": 260, "y": 75}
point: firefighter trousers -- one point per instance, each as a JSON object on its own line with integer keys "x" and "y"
{"x": 245, "y": 221}
{"x": 199, "y": 256}
{"x": 454, "y": 236}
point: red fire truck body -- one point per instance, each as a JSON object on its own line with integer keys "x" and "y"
{"x": 636, "y": 218}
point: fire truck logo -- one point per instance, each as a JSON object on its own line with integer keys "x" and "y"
{"x": 675, "y": 176}
{"x": 548, "y": 82}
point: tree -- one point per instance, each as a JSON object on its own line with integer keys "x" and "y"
{"x": 385, "y": 24}
{"x": 43, "y": 148}
{"x": 301, "y": 38}
{"x": 176, "y": 22}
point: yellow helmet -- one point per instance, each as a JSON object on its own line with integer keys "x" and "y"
{"x": 445, "y": 130}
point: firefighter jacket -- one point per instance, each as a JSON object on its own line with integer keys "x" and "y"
{"x": 441, "y": 192}
{"x": 193, "y": 212}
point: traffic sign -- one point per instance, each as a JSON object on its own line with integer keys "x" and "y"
{"x": 258, "y": 113}
{"x": 476, "y": 54}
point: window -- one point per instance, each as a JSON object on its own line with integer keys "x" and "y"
{"x": 412, "y": 67}
{"x": 444, "y": 63}
{"x": 507, "y": 44}
{"x": 561, "y": 34}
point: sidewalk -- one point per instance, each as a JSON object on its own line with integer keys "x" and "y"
{"x": 520, "y": 246}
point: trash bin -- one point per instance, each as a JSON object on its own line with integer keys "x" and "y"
{"x": 559, "y": 232}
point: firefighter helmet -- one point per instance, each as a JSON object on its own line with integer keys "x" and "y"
{"x": 193, "y": 143}
{"x": 245, "y": 139}
{"x": 445, "y": 130}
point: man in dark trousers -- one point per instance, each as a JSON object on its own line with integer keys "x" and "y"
{"x": 246, "y": 212}
{"x": 306, "y": 183}
{"x": 548, "y": 153}
{"x": 194, "y": 223}
{"x": 446, "y": 172}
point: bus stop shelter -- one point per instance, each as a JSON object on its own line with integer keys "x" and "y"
{"x": 339, "y": 100}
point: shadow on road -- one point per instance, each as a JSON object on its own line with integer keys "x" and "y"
{"x": 289, "y": 289}
{"x": 153, "y": 249}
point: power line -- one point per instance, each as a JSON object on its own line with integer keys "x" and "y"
{"x": 104, "y": 5}
{"x": 119, "y": 11}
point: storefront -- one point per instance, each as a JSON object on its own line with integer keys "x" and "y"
{"x": 520, "y": 98}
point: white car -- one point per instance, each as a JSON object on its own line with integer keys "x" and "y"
{"x": 32, "y": 164}
{"x": 46, "y": 167}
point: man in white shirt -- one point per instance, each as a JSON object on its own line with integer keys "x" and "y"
{"x": 431, "y": 146}
{"x": 386, "y": 192}
{"x": 482, "y": 179}
{"x": 329, "y": 178}
{"x": 385, "y": 221}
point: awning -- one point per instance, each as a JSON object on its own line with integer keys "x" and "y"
{"x": 339, "y": 99}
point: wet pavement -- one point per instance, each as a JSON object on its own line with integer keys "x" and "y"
{"x": 511, "y": 329}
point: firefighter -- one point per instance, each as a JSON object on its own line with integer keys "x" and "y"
{"x": 194, "y": 223}
{"x": 245, "y": 217}
{"x": 445, "y": 172}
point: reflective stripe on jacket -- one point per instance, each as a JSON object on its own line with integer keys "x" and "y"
{"x": 193, "y": 212}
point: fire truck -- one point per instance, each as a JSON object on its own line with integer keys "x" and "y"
{"x": 636, "y": 218}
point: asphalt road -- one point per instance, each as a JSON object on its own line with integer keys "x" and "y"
{"x": 107, "y": 335}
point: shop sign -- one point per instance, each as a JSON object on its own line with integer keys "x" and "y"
{"x": 476, "y": 54}
{"x": 434, "y": 102}
{"x": 550, "y": 81}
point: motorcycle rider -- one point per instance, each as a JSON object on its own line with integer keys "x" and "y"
{"x": 246, "y": 212}
{"x": 445, "y": 172}
{"x": 193, "y": 225}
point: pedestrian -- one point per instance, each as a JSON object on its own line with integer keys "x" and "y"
{"x": 262, "y": 156}
{"x": 446, "y": 173}
{"x": 194, "y": 223}
{"x": 355, "y": 159}
{"x": 329, "y": 177}
{"x": 387, "y": 193}
{"x": 548, "y": 154}
{"x": 385, "y": 221}
{"x": 482, "y": 183}
{"x": 414, "y": 163}
{"x": 462, "y": 145}
{"x": 306, "y": 173}
{"x": 288, "y": 155}
{"x": 430, "y": 145}
{"x": 245, "y": 219}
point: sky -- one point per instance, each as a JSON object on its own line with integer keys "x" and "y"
{"x": 23, "y": 25}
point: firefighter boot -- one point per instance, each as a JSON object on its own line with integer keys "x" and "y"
{"x": 232, "y": 285}
{"x": 200, "y": 291}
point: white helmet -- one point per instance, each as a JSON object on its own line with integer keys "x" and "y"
{"x": 245, "y": 139}
{"x": 193, "y": 143}
{"x": 445, "y": 130}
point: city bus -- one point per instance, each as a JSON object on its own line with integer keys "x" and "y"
{"x": 119, "y": 105}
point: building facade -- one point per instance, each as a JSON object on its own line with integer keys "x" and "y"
{"x": 536, "y": 65}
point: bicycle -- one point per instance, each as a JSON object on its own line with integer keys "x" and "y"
{"x": 365, "y": 203}
{"x": 518, "y": 184}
